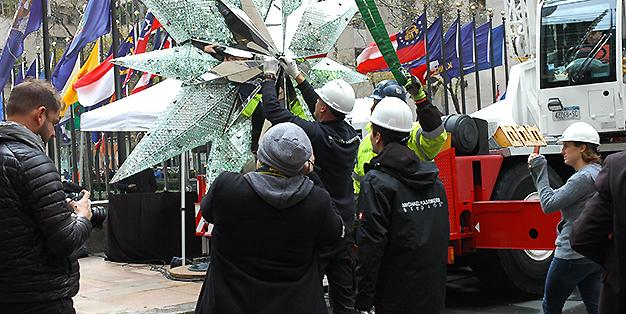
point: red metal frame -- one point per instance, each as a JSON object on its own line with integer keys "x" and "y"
{"x": 475, "y": 221}
{"x": 513, "y": 225}
{"x": 469, "y": 182}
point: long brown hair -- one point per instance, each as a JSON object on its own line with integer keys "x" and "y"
{"x": 590, "y": 154}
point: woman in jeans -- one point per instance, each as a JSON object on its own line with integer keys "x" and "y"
{"x": 569, "y": 269}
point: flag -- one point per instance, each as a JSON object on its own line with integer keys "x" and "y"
{"x": 417, "y": 67}
{"x": 146, "y": 79}
{"x": 96, "y": 22}
{"x": 483, "y": 37}
{"x": 32, "y": 70}
{"x": 70, "y": 96}
{"x": 408, "y": 43}
{"x": 19, "y": 78}
{"x": 99, "y": 84}
{"x": 460, "y": 43}
{"x": 149, "y": 25}
{"x": 27, "y": 19}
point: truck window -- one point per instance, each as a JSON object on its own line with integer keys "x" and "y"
{"x": 577, "y": 42}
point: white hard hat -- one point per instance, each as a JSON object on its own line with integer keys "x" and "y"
{"x": 393, "y": 114}
{"x": 338, "y": 94}
{"x": 580, "y": 132}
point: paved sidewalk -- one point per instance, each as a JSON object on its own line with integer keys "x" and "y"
{"x": 107, "y": 287}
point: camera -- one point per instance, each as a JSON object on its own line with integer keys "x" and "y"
{"x": 98, "y": 213}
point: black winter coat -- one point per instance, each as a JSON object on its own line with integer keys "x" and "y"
{"x": 38, "y": 231}
{"x": 264, "y": 252}
{"x": 604, "y": 215}
{"x": 402, "y": 236}
{"x": 335, "y": 145}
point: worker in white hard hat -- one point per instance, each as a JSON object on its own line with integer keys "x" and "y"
{"x": 427, "y": 136}
{"x": 335, "y": 144}
{"x": 569, "y": 269}
{"x": 403, "y": 232}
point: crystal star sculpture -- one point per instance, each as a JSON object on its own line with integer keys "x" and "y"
{"x": 204, "y": 109}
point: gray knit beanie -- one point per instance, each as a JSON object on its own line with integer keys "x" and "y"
{"x": 285, "y": 147}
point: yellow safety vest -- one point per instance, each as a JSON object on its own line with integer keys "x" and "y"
{"x": 295, "y": 108}
{"x": 425, "y": 149}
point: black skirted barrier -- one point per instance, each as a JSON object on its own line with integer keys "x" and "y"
{"x": 145, "y": 227}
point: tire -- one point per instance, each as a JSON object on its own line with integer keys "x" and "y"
{"x": 515, "y": 271}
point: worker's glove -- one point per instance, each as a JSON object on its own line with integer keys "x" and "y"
{"x": 416, "y": 89}
{"x": 270, "y": 66}
{"x": 290, "y": 66}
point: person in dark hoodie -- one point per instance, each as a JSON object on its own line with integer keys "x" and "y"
{"x": 269, "y": 225}
{"x": 403, "y": 230}
{"x": 335, "y": 143}
{"x": 40, "y": 233}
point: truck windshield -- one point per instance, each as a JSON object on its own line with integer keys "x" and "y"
{"x": 577, "y": 42}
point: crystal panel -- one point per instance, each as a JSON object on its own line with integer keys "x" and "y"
{"x": 320, "y": 26}
{"x": 182, "y": 63}
{"x": 187, "y": 19}
{"x": 199, "y": 114}
{"x": 327, "y": 70}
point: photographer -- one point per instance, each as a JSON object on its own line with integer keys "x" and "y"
{"x": 40, "y": 230}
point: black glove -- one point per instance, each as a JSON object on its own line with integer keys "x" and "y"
{"x": 416, "y": 89}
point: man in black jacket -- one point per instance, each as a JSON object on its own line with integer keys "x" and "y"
{"x": 39, "y": 230}
{"x": 335, "y": 144}
{"x": 403, "y": 230}
{"x": 269, "y": 225}
{"x": 599, "y": 233}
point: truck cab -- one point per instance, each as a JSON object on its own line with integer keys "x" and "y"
{"x": 579, "y": 65}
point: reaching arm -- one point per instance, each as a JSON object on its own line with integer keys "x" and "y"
{"x": 275, "y": 113}
{"x": 558, "y": 199}
{"x": 309, "y": 94}
{"x": 64, "y": 231}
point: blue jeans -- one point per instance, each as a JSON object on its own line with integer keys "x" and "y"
{"x": 563, "y": 277}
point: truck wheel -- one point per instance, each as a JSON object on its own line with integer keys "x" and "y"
{"x": 518, "y": 271}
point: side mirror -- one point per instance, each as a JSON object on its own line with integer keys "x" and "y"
{"x": 554, "y": 104}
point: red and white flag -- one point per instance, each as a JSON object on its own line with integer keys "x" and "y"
{"x": 408, "y": 44}
{"x": 96, "y": 85}
{"x": 146, "y": 79}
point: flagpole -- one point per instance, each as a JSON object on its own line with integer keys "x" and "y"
{"x": 459, "y": 42}
{"x": 493, "y": 70}
{"x": 4, "y": 107}
{"x": 428, "y": 87}
{"x": 476, "y": 70}
{"x": 57, "y": 138}
{"x": 116, "y": 75}
{"x": 46, "y": 39}
{"x": 37, "y": 62}
{"x": 506, "y": 57}
{"x": 23, "y": 66}
{"x": 446, "y": 109}
{"x": 12, "y": 76}
{"x": 52, "y": 153}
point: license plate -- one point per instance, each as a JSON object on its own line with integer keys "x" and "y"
{"x": 567, "y": 114}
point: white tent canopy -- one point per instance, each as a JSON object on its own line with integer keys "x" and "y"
{"x": 137, "y": 112}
